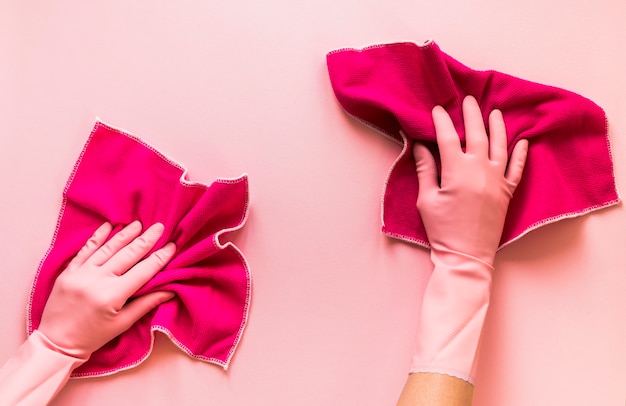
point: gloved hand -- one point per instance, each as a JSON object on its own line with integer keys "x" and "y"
{"x": 86, "y": 309}
{"x": 463, "y": 216}
{"x": 88, "y": 305}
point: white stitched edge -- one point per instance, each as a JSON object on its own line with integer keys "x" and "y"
{"x": 216, "y": 242}
{"x": 608, "y": 144}
{"x": 165, "y": 331}
{"x": 379, "y": 130}
{"x": 183, "y": 180}
{"x": 579, "y": 212}
{"x": 425, "y": 44}
{"x": 29, "y": 305}
{"x": 124, "y": 368}
{"x": 564, "y": 216}
{"x": 405, "y": 145}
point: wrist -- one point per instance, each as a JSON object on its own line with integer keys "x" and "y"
{"x": 43, "y": 340}
{"x": 455, "y": 258}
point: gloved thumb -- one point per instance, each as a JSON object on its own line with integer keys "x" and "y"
{"x": 139, "y": 307}
{"x": 426, "y": 167}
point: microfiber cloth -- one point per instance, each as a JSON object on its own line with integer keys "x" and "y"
{"x": 393, "y": 88}
{"x": 120, "y": 178}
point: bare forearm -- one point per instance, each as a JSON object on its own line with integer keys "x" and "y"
{"x": 426, "y": 389}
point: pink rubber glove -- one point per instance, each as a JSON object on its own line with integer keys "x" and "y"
{"x": 463, "y": 217}
{"x": 87, "y": 308}
{"x": 88, "y": 304}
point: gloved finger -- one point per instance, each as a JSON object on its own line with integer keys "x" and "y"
{"x": 447, "y": 137}
{"x": 426, "y": 168}
{"x": 132, "y": 253}
{"x": 92, "y": 245}
{"x": 138, "y": 308}
{"x": 476, "y": 141}
{"x": 117, "y": 242}
{"x": 517, "y": 162}
{"x": 497, "y": 139}
{"x": 145, "y": 270}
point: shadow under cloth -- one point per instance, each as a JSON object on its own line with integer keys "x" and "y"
{"x": 393, "y": 89}
{"x": 119, "y": 178}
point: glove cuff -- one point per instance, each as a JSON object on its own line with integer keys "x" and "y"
{"x": 452, "y": 316}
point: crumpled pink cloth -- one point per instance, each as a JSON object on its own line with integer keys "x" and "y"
{"x": 119, "y": 178}
{"x": 393, "y": 88}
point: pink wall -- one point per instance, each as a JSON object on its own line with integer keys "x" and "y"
{"x": 233, "y": 87}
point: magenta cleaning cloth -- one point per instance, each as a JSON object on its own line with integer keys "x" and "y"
{"x": 119, "y": 178}
{"x": 393, "y": 89}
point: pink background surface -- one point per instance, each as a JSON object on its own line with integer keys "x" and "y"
{"x": 233, "y": 87}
